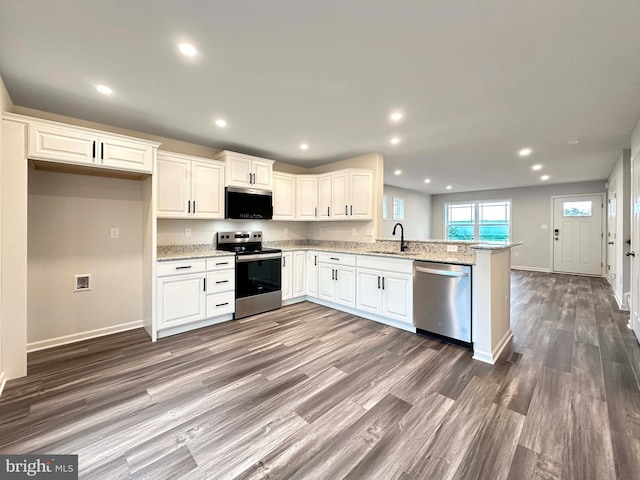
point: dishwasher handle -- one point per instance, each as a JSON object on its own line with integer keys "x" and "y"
{"x": 446, "y": 273}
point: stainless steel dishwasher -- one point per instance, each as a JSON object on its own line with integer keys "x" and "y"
{"x": 442, "y": 299}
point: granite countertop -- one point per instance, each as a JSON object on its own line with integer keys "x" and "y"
{"x": 493, "y": 246}
{"x": 366, "y": 250}
{"x": 184, "y": 252}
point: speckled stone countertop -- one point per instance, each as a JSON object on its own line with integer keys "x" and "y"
{"x": 183, "y": 252}
{"x": 430, "y": 251}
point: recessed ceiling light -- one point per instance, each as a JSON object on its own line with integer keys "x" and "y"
{"x": 574, "y": 140}
{"x": 427, "y": 180}
{"x": 395, "y": 140}
{"x": 304, "y": 146}
{"x": 397, "y": 172}
{"x": 544, "y": 177}
{"x": 449, "y": 187}
{"x": 536, "y": 167}
{"x": 104, "y": 89}
{"x": 525, "y": 152}
{"x": 395, "y": 116}
{"x": 188, "y": 49}
{"x": 221, "y": 123}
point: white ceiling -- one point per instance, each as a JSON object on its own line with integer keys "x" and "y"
{"x": 476, "y": 80}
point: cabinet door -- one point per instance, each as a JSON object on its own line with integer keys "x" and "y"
{"x": 181, "y": 299}
{"x": 238, "y": 171}
{"x": 284, "y": 188}
{"x": 397, "y": 297}
{"x": 262, "y": 174}
{"x": 287, "y": 275}
{"x": 361, "y": 192}
{"x": 299, "y": 287}
{"x": 340, "y": 195}
{"x": 173, "y": 186}
{"x": 326, "y": 282}
{"x": 207, "y": 189}
{"x": 346, "y": 286}
{"x": 312, "y": 274}
{"x": 61, "y": 144}
{"x": 324, "y": 197}
{"x": 369, "y": 291}
{"x": 306, "y": 197}
{"x": 125, "y": 155}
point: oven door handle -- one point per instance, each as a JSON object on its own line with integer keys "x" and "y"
{"x": 257, "y": 256}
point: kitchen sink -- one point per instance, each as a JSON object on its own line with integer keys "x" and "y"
{"x": 390, "y": 253}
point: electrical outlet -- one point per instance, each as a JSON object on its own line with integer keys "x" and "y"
{"x": 82, "y": 282}
{"x": 369, "y": 232}
{"x": 354, "y": 231}
{"x": 115, "y": 232}
{"x": 286, "y": 231}
{"x": 321, "y": 231}
{"x": 452, "y": 248}
{"x": 187, "y": 232}
{"x": 544, "y": 227}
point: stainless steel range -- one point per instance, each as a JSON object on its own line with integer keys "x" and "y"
{"x": 258, "y": 272}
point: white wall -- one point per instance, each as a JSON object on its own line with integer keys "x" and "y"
{"x": 417, "y": 214}
{"x": 69, "y": 221}
{"x": 5, "y": 105}
{"x": 530, "y": 209}
{"x": 620, "y": 179}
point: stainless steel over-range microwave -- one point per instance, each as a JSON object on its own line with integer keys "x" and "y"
{"x": 248, "y": 203}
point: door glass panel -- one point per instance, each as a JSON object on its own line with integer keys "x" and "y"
{"x": 577, "y": 209}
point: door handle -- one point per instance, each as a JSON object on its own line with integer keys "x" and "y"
{"x": 630, "y": 254}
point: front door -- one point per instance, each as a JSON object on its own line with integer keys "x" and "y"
{"x": 635, "y": 241}
{"x": 577, "y": 234}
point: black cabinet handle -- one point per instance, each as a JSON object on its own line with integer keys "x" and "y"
{"x": 336, "y": 274}
{"x": 102, "y": 151}
{"x": 351, "y": 209}
{"x": 284, "y": 261}
{"x": 315, "y": 211}
{"x": 383, "y": 283}
{"x": 222, "y": 304}
{"x": 204, "y": 287}
{"x": 194, "y": 206}
{"x": 315, "y": 260}
{"x": 222, "y": 263}
{"x": 378, "y": 282}
{"x": 222, "y": 281}
{"x": 249, "y": 179}
{"x": 335, "y": 258}
{"x": 328, "y": 211}
{"x": 332, "y": 273}
{"x": 183, "y": 268}
{"x": 346, "y": 210}
{"x": 94, "y": 150}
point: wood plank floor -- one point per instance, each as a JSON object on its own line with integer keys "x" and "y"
{"x": 312, "y": 393}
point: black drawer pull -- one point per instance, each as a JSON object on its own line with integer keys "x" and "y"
{"x": 222, "y": 304}
{"x": 222, "y": 263}
{"x": 334, "y": 258}
{"x": 182, "y": 268}
{"x": 222, "y": 281}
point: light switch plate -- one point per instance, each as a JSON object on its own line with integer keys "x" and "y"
{"x": 354, "y": 231}
{"x": 187, "y": 232}
{"x": 544, "y": 227}
{"x": 286, "y": 231}
{"x": 115, "y": 232}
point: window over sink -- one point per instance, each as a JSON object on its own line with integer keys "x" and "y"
{"x": 486, "y": 221}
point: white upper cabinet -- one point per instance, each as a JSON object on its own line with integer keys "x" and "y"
{"x": 284, "y": 196}
{"x": 324, "y": 197}
{"x": 352, "y": 195}
{"x": 54, "y": 142}
{"x": 340, "y": 195}
{"x": 189, "y": 187}
{"x": 247, "y": 171}
{"x": 306, "y": 197}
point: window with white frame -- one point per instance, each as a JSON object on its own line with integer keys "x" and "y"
{"x": 487, "y": 221}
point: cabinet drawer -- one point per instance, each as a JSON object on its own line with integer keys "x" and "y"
{"x": 221, "y": 281}
{"x": 337, "y": 258}
{"x": 177, "y": 267}
{"x": 220, "y": 263}
{"x": 399, "y": 265}
{"x": 221, "y": 304}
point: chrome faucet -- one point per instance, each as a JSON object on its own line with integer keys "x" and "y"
{"x": 403, "y": 245}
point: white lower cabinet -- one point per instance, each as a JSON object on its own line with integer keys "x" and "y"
{"x": 194, "y": 293}
{"x": 293, "y": 282}
{"x": 312, "y": 274}
{"x": 337, "y": 278}
{"x": 385, "y": 287}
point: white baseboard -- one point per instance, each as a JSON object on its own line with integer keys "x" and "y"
{"x": 3, "y": 381}
{"x": 76, "y": 337}
{"x": 492, "y": 357}
{"x": 530, "y": 269}
{"x": 620, "y": 303}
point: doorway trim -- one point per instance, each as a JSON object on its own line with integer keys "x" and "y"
{"x": 603, "y": 227}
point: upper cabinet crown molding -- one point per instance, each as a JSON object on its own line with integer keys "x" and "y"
{"x": 62, "y": 143}
{"x": 246, "y": 170}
